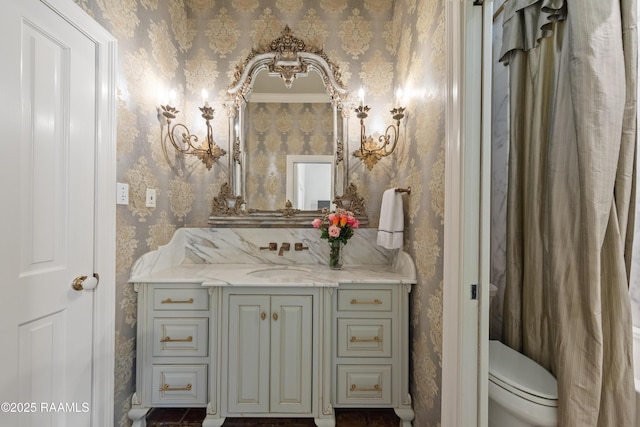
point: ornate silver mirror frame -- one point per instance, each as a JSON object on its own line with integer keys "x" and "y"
{"x": 290, "y": 58}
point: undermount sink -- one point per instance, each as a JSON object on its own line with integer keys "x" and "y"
{"x": 284, "y": 272}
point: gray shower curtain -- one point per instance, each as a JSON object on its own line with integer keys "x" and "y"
{"x": 573, "y": 73}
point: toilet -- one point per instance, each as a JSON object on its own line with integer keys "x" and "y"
{"x": 521, "y": 392}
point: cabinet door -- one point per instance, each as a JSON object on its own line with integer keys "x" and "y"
{"x": 291, "y": 357}
{"x": 248, "y": 374}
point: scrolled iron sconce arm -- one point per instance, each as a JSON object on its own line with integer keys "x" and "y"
{"x": 208, "y": 152}
{"x": 370, "y": 150}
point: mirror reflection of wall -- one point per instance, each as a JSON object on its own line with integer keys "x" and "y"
{"x": 310, "y": 181}
{"x": 281, "y": 121}
{"x": 313, "y": 188}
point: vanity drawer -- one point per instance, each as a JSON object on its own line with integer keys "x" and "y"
{"x": 182, "y": 336}
{"x": 364, "y": 337}
{"x": 179, "y": 385}
{"x": 364, "y": 299}
{"x": 180, "y": 299}
{"x": 364, "y": 384}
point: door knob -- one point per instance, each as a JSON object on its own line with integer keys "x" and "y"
{"x": 81, "y": 283}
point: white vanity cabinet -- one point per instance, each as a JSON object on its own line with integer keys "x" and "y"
{"x": 273, "y": 351}
{"x": 225, "y": 323}
{"x": 176, "y": 330}
{"x": 371, "y": 355}
{"x": 268, "y": 356}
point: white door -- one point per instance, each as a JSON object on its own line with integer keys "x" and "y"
{"x": 466, "y": 230}
{"x": 47, "y": 163}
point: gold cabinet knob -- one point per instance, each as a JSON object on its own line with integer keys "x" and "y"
{"x": 374, "y": 339}
{"x": 263, "y": 315}
{"x": 275, "y": 316}
{"x": 376, "y": 387}
{"x": 166, "y": 387}
{"x": 374, "y": 302}
{"x": 169, "y": 339}
{"x": 171, "y": 301}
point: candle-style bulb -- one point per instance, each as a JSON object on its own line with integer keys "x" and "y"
{"x": 205, "y": 96}
{"x": 161, "y": 94}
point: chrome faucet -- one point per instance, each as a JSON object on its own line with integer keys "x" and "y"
{"x": 284, "y": 247}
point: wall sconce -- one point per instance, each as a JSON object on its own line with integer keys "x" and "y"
{"x": 371, "y": 150}
{"x": 186, "y": 143}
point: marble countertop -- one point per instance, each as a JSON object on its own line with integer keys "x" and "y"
{"x": 300, "y": 275}
{"x": 237, "y": 257}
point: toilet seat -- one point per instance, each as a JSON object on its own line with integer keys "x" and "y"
{"x": 521, "y": 376}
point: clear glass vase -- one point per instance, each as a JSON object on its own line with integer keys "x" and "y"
{"x": 335, "y": 255}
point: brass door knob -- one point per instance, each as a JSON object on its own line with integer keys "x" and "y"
{"x": 82, "y": 283}
{"x": 275, "y": 316}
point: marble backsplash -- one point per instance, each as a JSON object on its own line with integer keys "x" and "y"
{"x": 246, "y": 246}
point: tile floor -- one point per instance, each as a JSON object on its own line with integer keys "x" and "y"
{"x": 168, "y": 417}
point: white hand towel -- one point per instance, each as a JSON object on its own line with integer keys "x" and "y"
{"x": 391, "y": 225}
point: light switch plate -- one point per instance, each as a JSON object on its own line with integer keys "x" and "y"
{"x": 151, "y": 198}
{"x": 122, "y": 193}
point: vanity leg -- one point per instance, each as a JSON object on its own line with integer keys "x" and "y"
{"x": 328, "y": 418}
{"x": 325, "y": 422}
{"x": 138, "y": 416}
{"x": 212, "y": 422}
{"x": 406, "y": 416}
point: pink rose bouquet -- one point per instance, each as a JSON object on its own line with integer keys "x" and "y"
{"x": 336, "y": 225}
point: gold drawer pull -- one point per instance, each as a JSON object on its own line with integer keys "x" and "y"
{"x": 169, "y": 339}
{"x": 263, "y": 315}
{"x": 166, "y": 387}
{"x": 170, "y": 301}
{"x": 374, "y": 339}
{"x": 275, "y": 316}
{"x": 375, "y": 301}
{"x": 356, "y": 388}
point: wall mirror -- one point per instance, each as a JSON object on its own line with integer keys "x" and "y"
{"x": 280, "y": 122}
{"x": 287, "y": 100}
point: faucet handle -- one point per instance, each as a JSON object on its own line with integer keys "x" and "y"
{"x": 272, "y": 247}
{"x": 298, "y": 247}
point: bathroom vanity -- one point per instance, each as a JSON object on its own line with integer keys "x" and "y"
{"x": 229, "y": 322}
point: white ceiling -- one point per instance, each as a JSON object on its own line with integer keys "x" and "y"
{"x": 305, "y": 88}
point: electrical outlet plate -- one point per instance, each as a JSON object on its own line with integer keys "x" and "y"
{"x": 151, "y": 198}
{"x": 122, "y": 193}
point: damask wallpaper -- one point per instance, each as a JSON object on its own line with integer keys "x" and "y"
{"x": 188, "y": 45}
